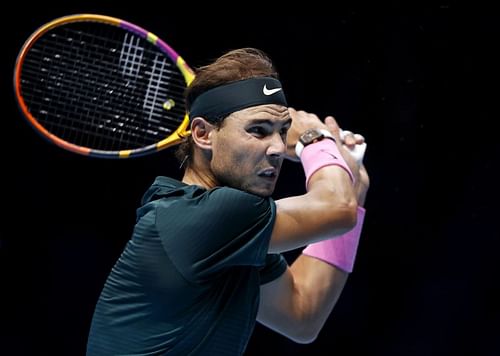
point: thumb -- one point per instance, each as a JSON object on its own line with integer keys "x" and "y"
{"x": 332, "y": 126}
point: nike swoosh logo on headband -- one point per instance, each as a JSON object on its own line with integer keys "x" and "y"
{"x": 270, "y": 91}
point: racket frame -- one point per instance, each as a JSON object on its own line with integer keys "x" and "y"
{"x": 174, "y": 138}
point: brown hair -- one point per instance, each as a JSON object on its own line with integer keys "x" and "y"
{"x": 238, "y": 64}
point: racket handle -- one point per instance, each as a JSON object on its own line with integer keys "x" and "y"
{"x": 358, "y": 151}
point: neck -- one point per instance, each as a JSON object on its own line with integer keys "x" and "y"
{"x": 199, "y": 173}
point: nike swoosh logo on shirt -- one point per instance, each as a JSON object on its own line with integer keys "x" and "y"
{"x": 270, "y": 91}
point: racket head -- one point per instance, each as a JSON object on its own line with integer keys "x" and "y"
{"x": 103, "y": 87}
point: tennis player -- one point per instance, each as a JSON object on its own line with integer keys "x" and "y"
{"x": 204, "y": 261}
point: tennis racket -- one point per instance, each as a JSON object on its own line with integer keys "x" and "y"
{"x": 102, "y": 87}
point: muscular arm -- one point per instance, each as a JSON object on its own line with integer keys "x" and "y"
{"x": 298, "y": 303}
{"x": 328, "y": 209}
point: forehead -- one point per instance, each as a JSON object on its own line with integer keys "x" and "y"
{"x": 270, "y": 112}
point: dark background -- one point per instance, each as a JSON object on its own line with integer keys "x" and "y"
{"x": 419, "y": 82}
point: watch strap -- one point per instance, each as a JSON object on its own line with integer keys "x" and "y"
{"x": 299, "y": 146}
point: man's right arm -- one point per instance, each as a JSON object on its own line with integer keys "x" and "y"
{"x": 328, "y": 208}
{"x": 298, "y": 303}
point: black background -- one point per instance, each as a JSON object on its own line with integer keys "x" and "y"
{"x": 419, "y": 82}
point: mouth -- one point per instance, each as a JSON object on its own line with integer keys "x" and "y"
{"x": 269, "y": 173}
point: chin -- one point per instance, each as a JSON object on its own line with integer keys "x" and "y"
{"x": 262, "y": 192}
{"x": 257, "y": 188}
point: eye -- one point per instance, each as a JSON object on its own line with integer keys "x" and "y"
{"x": 258, "y": 131}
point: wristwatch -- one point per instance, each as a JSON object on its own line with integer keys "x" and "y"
{"x": 311, "y": 136}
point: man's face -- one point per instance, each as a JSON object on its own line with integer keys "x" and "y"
{"x": 249, "y": 147}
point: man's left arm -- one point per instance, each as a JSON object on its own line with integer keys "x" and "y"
{"x": 298, "y": 303}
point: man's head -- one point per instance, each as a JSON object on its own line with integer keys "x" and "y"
{"x": 239, "y": 120}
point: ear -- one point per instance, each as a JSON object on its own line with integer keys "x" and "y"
{"x": 201, "y": 132}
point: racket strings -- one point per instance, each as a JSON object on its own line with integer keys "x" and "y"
{"x": 102, "y": 87}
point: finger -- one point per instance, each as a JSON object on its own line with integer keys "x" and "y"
{"x": 357, "y": 150}
{"x": 347, "y": 138}
{"x": 332, "y": 125}
{"x": 359, "y": 139}
{"x": 344, "y": 133}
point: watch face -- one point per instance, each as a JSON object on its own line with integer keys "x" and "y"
{"x": 310, "y": 136}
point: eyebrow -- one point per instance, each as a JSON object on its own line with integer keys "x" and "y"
{"x": 270, "y": 122}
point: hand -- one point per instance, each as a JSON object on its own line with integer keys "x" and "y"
{"x": 345, "y": 144}
{"x": 355, "y": 145}
{"x": 302, "y": 121}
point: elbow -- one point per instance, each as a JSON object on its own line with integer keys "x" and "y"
{"x": 304, "y": 338}
{"x": 305, "y": 328}
{"x": 351, "y": 215}
{"x": 304, "y": 334}
{"x": 344, "y": 216}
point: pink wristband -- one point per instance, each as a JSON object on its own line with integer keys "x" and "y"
{"x": 339, "y": 251}
{"x": 320, "y": 154}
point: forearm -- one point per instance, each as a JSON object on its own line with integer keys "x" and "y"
{"x": 298, "y": 303}
{"x": 318, "y": 286}
{"x": 328, "y": 176}
{"x": 321, "y": 271}
{"x": 328, "y": 209}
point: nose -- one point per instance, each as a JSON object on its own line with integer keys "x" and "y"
{"x": 277, "y": 146}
